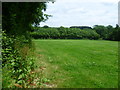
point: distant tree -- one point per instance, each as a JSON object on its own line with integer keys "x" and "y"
{"x": 64, "y": 33}
{"x": 115, "y": 35}
{"x": 101, "y": 30}
{"x": 45, "y": 26}
{"x": 110, "y": 29}
{"x": 61, "y": 27}
{"x": 81, "y": 27}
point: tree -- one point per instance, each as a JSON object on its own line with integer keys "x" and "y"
{"x": 45, "y": 26}
{"x": 101, "y": 30}
{"x": 116, "y": 33}
{"x": 19, "y": 16}
{"x": 110, "y": 29}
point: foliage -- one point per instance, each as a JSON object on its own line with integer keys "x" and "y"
{"x": 108, "y": 32}
{"x": 98, "y": 32}
{"x": 101, "y": 30}
{"x": 64, "y": 33}
{"x": 45, "y": 26}
{"x": 81, "y": 27}
{"x": 18, "y": 19}
{"x": 115, "y": 34}
{"x": 15, "y": 58}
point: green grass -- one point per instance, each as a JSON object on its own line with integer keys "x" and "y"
{"x": 79, "y": 63}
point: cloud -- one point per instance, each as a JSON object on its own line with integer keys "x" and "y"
{"x": 87, "y": 1}
{"x": 82, "y": 12}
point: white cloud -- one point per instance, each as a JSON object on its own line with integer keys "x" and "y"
{"x": 82, "y": 12}
{"x": 86, "y": 1}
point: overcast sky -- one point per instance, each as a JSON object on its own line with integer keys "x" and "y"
{"x": 82, "y": 13}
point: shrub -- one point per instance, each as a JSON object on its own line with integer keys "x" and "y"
{"x": 15, "y": 58}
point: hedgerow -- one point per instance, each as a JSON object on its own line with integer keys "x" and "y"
{"x": 97, "y": 32}
{"x": 16, "y": 58}
{"x": 64, "y": 33}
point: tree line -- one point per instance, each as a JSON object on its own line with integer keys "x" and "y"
{"x": 97, "y": 32}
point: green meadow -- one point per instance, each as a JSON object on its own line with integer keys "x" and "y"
{"x": 78, "y": 63}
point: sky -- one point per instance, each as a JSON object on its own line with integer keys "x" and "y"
{"x": 82, "y": 13}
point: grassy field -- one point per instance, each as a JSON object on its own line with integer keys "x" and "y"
{"x": 78, "y": 63}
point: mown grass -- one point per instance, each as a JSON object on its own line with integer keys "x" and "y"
{"x": 79, "y": 63}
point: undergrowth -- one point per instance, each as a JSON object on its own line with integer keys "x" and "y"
{"x": 18, "y": 59}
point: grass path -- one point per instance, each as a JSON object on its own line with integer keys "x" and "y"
{"x": 79, "y": 63}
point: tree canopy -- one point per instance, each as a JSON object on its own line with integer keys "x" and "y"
{"x": 18, "y": 17}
